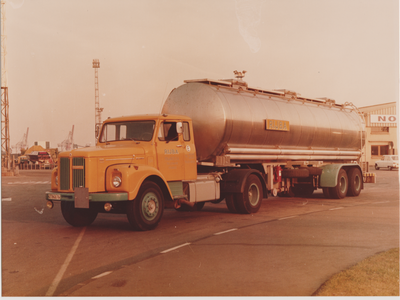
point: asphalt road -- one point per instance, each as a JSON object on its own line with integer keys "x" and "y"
{"x": 289, "y": 248}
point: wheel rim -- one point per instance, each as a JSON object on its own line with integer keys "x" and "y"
{"x": 150, "y": 206}
{"x": 343, "y": 185}
{"x": 254, "y": 194}
{"x": 357, "y": 183}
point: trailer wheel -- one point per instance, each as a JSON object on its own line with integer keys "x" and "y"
{"x": 355, "y": 182}
{"x": 77, "y": 217}
{"x": 340, "y": 190}
{"x": 250, "y": 201}
{"x": 146, "y": 210}
{"x": 230, "y": 203}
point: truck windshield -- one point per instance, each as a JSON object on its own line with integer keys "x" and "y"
{"x": 129, "y": 130}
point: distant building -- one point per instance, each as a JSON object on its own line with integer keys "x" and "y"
{"x": 381, "y": 131}
{"x": 44, "y": 144}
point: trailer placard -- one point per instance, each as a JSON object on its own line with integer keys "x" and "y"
{"x": 279, "y": 125}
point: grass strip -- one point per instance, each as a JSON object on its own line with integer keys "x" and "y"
{"x": 377, "y": 275}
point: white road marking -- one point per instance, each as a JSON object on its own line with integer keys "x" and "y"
{"x": 102, "y": 275}
{"x": 60, "y": 273}
{"x": 380, "y": 202}
{"x": 336, "y": 208}
{"x": 174, "y": 248}
{"x": 222, "y": 232}
{"x": 39, "y": 211}
{"x": 6, "y": 199}
{"x": 287, "y": 218}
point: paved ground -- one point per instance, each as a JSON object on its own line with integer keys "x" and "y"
{"x": 290, "y": 247}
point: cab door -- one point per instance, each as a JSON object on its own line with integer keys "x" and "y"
{"x": 170, "y": 151}
{"x": 189, "y": 152}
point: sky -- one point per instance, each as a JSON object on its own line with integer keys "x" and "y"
{"x": 347, "y": 50}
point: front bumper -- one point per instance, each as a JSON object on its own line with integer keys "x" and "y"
{"x": 93, "y": 197}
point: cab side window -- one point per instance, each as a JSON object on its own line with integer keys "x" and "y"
{"x": 186, "y": 131}
{"x": 168, "y": 132}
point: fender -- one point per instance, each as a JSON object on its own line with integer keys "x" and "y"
{"x": 234, "y": 181}
{"x": 330, "y": 174}
{"x": 132, "y": 178}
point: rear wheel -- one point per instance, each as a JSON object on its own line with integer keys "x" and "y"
{"x": 146, "y": 210}
{"x": 340, "y": 190}
{"x": 376, "y": 167}
{"x": 77, "y": 217}
{"x": 231, "y": 203}
{"x": 355, "y": 182}
{"x": 250, "y": 201}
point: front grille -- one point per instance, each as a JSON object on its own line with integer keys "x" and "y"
{"x": 78, "y": 172}
{"x": 64, "y": 173}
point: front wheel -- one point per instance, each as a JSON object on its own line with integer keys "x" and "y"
{"x": 250, "y": 201}
{"x": 146, "y": 210}
{"x": 77, "y": 217}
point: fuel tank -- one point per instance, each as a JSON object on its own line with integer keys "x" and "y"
{"x": 247, "y": 124}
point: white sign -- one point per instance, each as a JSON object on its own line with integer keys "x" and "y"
{"x": 383, "y": 119}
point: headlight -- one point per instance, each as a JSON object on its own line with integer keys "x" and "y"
{"x": 116, "y": 181}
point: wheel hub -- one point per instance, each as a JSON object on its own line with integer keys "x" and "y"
{"x": 253, "y": 194}
{"x": 150, "y": 206}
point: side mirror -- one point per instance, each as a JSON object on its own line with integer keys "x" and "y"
{"x": 179, "y": 127}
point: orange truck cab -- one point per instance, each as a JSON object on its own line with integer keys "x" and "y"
{"x": 140, "y": 157}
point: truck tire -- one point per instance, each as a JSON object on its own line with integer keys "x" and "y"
{"x": 355, "y": 182}
{"x": 325, "y": 190}
{"x": 77, "y": 217}
{"x": 295, "y": 173}
{"x": 250, "y": 201}
{"x": 146, "y": 210}
{"x": 376, "y": 167}
{"x": 340, "y": 190}
{"x": 231, "y": 204}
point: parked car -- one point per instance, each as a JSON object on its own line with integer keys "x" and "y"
{"x": 388, "y": 161}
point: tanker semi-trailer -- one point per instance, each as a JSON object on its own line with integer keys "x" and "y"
{"x": 214, "y": 140}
